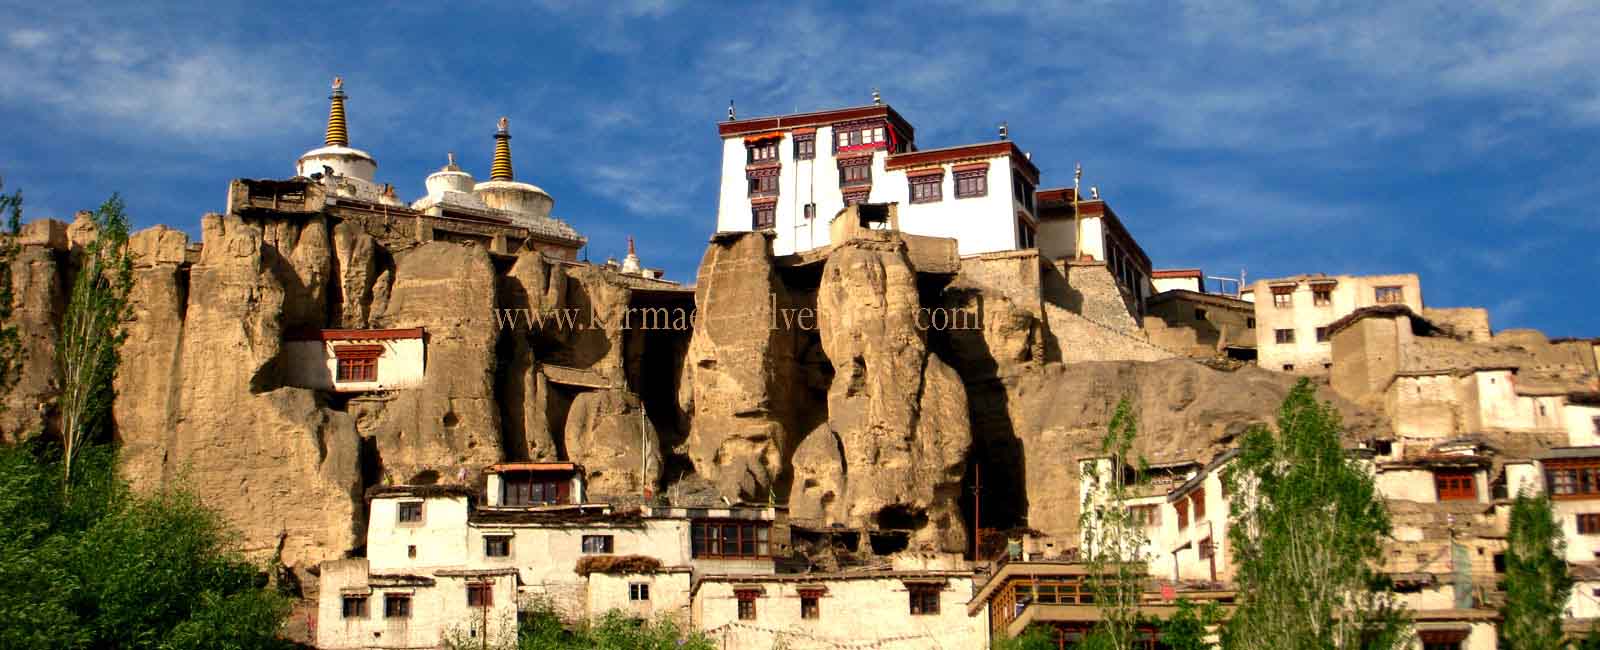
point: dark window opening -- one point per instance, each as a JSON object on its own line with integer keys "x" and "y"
{"x": 763, "y": 151}
{"x": 1250, "y": 323}
{"x": 497, "y": 546}
{"x": 1283, "y": 337}
{"x": 924, "y": 600}
{"x": 747, "y": 604}
{"x": 1573, "y": 479}
{"x": 534, "y": 489}
{"x": 1455, "y": 485}
{"x": 927, "y": 189}
{"x": 597, "y": 544}
{"x": 971, "y": 184}
{"x": 1322, "y": 335}
{"x": 1322, "y": 297}
{"x": 397, "y": 606}
{"x": 856, "y": 171}
{"x": 639, "y": 592}
{"x": 762, "y": 216}
{"x": 1282, "y": 298}
{"x": 810, "y": 604}
{"x": 805, "y": 146}
{"x": 729, "y": 539}
{"x": 1389, "y": 295}
{"x": 355, "y": 607}
{"x": 1589, "y": 523}
{"x": 480, "y": 594}
{"x": 1199, "y": 314}
{"x": 410, "y": 512}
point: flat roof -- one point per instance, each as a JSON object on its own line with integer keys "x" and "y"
{"x": 964, "y": 152}
{"x": 815, "y": 118}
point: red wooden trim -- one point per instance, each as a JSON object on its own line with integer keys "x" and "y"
{"x": 1175, "y": 273}
{"x": 763, "y": 200}
{"x": 357, "y": 335}
{"x": 532, "y": 467}
{"x": 752, "y": 139}
{"x": 810, "y": 130}
{"x": 952, "y": 154}
{"x": 922, "y": 173}
{"x": 855, "y": 161}
{"x": 358, "y": 351}
{"x": 820, "y": 118}
{"x": 974, "y": 167}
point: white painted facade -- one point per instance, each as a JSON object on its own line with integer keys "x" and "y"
{"x": 438, "y": 608}
{"x": 1498, "y": 406}
{"x": 1306, "y": 355}
{"x": 853, "y": 611}
{"x": 314, "y": 363}
{"x": 1583, "y": 424}
{"x": 980, "y": 224}
{"x": 1187, "y": 546}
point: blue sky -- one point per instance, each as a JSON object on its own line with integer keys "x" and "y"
{"x": 1452, "y": 140}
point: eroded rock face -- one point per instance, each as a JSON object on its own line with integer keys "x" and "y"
{"x": 360, "y": 280}
{"x": 608, "y": 434}
{"x": 148, "y": 376}
{"x": 900, "y": 413}
{"x": 450, "y": 423}
{"x": 284, "y": 471}
{"x": 39, "y": 283}
{"x": 537, "y": 285}
{"x": 1186, "y": 411}
{"x": 739, "y": 377}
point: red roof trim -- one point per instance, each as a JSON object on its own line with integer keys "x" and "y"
{"x": 965, "y": 152}
{"x": 819, "y": 118}
{"x": 532, "y": 467}
{"x": 1175, "y": 273}
{"x": 356, "y": 335}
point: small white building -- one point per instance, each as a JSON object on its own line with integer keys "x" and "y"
{"x": 878, "y": 609}
{"x": 791, "y": 174}
{"x": 1293, "y": 314}
{"x": 347, "y": 360}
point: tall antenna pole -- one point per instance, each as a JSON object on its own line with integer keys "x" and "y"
{"x": 1077, "y": 219}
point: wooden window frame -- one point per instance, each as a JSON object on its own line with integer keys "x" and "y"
{"x": 1389, "y": 295}
{"x": 1147, "y": 515}
{"x": 809, "y": 211}
{"x": 855, "y": 172}
{"x": 527, "y": 489}
{"x": 1572, "y": 479}
{"x": 361, "y": 606}
{"x": 1283, "y": 336}
{"x": 931, "y": 185}
{"x": 1182, "y": 506}
{"x": 805, "y": 146}
{"x": 1321, "y": 297}
{"x": 397, "y": 605}
{"x": 1455, "y": 484}
{"x": 480, "y": 594}
{"x": 702, "y": 541}
{"x": 638, "y": 592}
{"x": 761, "y": 151}
{"x": 1283, "y": 298}
{"x": 764, "y": 216}
{"x": 811, "y": 604}
{"x": 975, "y": 182}
{"x": 763, "y": 181}
{"x": 1322, "y": 334}
{"x": 403, "y": 509}
{"x": 606, "y": 544}
{"x": 1588, "y": 523}
{"x": 502, "y": 542}
{"x": 356, "y": 363}
{"x": 747, "y": 603}
{"x": 1198, "y": 497}
{"x": 923, "y": 599}
{"x": 856, "y": 197}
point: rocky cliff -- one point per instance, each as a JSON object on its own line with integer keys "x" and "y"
{"x": 816, "y": 383}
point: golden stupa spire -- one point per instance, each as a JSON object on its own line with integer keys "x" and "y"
{"x": 337, "y": 136}
{"x": 501, "y": 169}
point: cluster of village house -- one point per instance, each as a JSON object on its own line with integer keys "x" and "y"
{"x": 1476, "y": 416}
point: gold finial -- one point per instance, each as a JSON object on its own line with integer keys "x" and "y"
{"x": 630, "y": 246}
{"x": 500, "y": 170}
{"x": 337, "y": 135}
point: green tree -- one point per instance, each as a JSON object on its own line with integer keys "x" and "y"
{"x": 1307, "y": 526}
{"x": 1114, "y": 547}
{"x": 1537, "y": 582}
{"x": 91, "y": 334}
{"x": 1036, "y": 637}
{"x": 112, "y": 569}
{"x": 1190, "y": 627}
{"x": 10, "y": 342}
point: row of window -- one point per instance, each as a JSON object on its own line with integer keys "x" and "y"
{"x": 479, "y": 594}
{"x": 1286, "y": 336}
{"x": 851, "y": 137}
{"x": 500, "y": 545}
{"x": 730, "y": 539}
{"x": 924, "y": 189}
{"x": 1323, "y": 297}
{"x": 922, "y": 600}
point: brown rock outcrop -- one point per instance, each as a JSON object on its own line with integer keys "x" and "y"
{"x": 284, "y": 471}
{"x": 39, "y": 277}
{"x": 609, "y": 435}
{"x": 147, "y": 378}
{"x": 450, "y": 423}
{"x": 738, "y": 379}
{"x": 900, "y": 412}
